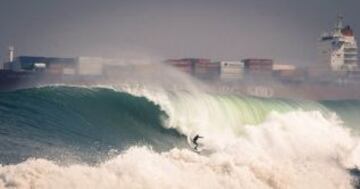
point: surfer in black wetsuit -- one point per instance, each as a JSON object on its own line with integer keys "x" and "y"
{"x": 194, "y": 140}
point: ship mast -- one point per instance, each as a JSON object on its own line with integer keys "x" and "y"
{"x": 339, "y": 24}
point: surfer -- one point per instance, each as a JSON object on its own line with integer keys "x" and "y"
{"x": 195, "y": 141}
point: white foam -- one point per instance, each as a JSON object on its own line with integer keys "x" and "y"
{"x": 292, "y": 150}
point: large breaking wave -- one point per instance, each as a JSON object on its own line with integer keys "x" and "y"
{"x": 76, "y": 137}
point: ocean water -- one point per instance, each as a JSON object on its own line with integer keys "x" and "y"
{"x": 123, "y": 137}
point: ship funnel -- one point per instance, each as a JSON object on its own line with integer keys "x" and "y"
{"x": 11, "y": 53}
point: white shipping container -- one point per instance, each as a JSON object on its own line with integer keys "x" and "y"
{"x": 69, "y": 71}
{"x": 231, "y": 69}
{"x": 283, "y": 67}
{"x": 90, "y": 65}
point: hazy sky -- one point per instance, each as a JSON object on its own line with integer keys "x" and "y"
{"x": 286, "y": 30}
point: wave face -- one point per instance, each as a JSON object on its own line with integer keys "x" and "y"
{"x": 78, "y": 123}
{"x": 76, "y": 137}
{"x": 347, "y": 110}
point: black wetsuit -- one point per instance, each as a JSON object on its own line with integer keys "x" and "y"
{"x": 195, "y": 139}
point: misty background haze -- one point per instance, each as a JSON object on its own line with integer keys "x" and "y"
{"x": 285, "y": 30}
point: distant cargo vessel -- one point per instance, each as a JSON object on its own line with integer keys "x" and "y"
{"x": 335, "y": 76}
{"x": 28, "y": 71}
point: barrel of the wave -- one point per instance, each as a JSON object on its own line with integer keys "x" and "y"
{"x": 79, "y": 124}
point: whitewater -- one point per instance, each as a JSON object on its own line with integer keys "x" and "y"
{"x": 130, "y": 137}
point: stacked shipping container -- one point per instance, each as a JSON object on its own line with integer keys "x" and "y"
{"x": 231, "y": 70}
{"x": 184, "y": 65}
{"x": 205, "y": 69}
{"x": 254, "y": 64}
{"x": 199, "y": 67}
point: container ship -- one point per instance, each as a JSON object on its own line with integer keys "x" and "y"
{"x": 30, "y": 71}
{"x": 335, "y": 76}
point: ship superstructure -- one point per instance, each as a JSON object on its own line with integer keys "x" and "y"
{"x": 338, "y": 49}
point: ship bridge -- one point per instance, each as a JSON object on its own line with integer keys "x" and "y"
{"x": 338, "y": 49}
